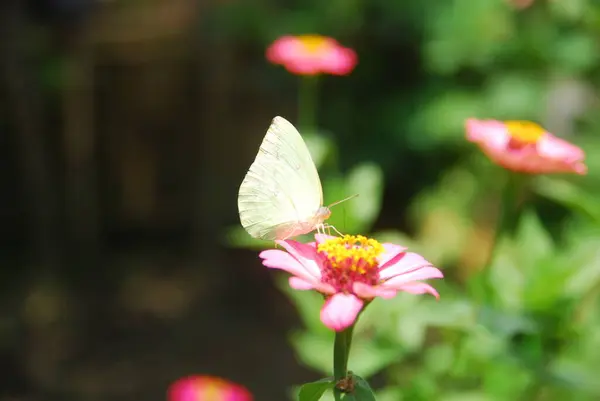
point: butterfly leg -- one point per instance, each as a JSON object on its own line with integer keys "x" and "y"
{"x": 329, "y": 226}
{"x": 321, "y": 229}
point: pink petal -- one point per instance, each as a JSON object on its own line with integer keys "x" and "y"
{"x": 305, "y": 254}
{"x": 403, "y": 263}
{"x": 299, "y": 284}
{"x": 320, "y": 238}
{"x": 283, "y": 49}
{"x": 202, "y": 387}
{"x": 277, "y": 259}
{"x": 391, "y": 251}
{"x": 491, "y": 133}
{"x": 340, "y": 311}
{"x": 366, "y": 291}
{"x": 423, "y": 273}
{"x": 419, "y": 288}
{"x": 567, "y": 156}
{"x": 340, "y": 61}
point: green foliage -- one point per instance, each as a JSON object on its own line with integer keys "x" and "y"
{"x": 315, "y": 390}
{"x": 525, "y": 326}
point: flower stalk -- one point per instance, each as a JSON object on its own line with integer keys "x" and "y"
{"x": 307, "y": 103}
{"x": 341, "y": 352}
{"x": 512, "y": 200}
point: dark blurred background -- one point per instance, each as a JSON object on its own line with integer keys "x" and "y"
{"x": 126, "y": 128}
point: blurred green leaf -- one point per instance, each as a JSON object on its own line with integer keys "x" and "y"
{"x": 514, "y": 96}
{"x": 467, "y": 396}
{"x": 568, "y": 194}
{"x": 576, "y": 53}
{"x": 505, "y": 381}
{"x": 506, "y": 323}
{"x": 571, "y": 9}
{"x": 314, "y": 350}
{"x": 371, "y": 357}
{"x": 439, "y": 358}
{"x": 506, "y": 277}
{"x": 313, "y": 391}
{"x": 366, "y": 180}
{"x": 390, "y": 393}
{"x": 532, "y": 242}
{"x": 319, "y": 144}
{"x": 441, "y": 121}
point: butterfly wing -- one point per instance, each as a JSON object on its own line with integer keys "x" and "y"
{"x": 282, "y": 190}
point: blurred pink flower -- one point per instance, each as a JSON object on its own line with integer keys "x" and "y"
{"x": 311, "y": 55}
{"x": 349, "y": 271}
{"x": 525, "y": 147}
{"x": 207, "y": 388}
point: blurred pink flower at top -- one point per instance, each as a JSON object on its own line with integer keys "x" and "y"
{"x": 207, "y": 388}
{"x": 349, "y": 271}
{"x": 525, "y": 147}
{"x": 312, "y": 55}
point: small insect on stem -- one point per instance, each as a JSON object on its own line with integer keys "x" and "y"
{"x": 346, "y": 384}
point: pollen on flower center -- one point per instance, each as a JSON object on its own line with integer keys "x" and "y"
{"x": 313, "y": 43}
{"x": 524, "y": 132}
{"x": 349, "y": 259}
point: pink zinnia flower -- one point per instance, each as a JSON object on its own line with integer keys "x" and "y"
{"x": 311, "y": 55}
{"x": 207, "y": 388}
{"x": 350, "y": 271}
{"x": 526, "y": 147}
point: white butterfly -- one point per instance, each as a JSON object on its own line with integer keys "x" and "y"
{"x": 281, "y": 196}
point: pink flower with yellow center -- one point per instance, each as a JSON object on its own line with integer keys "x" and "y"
{"x": 525, "y": 147}
{"x": 312, "y": 55}
{"x": 207, "y": 388}
{"x": 350, "y": 271}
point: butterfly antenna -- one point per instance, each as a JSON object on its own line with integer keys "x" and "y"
{"x": 343, "y": 200}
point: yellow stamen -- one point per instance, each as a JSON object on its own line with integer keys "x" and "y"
{"x": 313, "y": 43}
{"x": 524, "y": 131}
{"x": 360, "y": 251}
{"x": 213, "y": 390}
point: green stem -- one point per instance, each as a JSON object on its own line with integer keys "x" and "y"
{"x": 511, "y": 206}
{"x": 307, "y": 103}
{"x": 341, "y": 351}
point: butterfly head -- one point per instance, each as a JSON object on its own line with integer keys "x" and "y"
{"x": 322, "y": 214}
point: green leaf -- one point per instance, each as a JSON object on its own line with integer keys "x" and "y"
{"x": 466, "y": 396}
{"x": 362, "y": 390}
{"x": 315, "y": 390}
{"x": 319, "y": 145}
{"x": 373, "y": 356}
{"x": 514, "y": 96}
{"x": 569, "y": 195}
{"x": 366, "y": 179}
{"x": 533, "y": 241}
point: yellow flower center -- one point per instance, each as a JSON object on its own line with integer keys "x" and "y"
{"x": 313, "y": 43}
{"x": 524, "y": 132}
{"x": 350, "y": 259}
{"x": 213, "y": 390}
